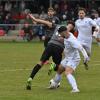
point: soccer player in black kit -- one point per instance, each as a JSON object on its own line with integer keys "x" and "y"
{"x": 50, "y": 24}
{"x": 54, "y": 49}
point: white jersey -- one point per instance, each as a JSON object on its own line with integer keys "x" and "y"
{"x": 96, "y": 34}
{"x": 84, "y": 27}
{"x": 71, "y": 48}
{"x": 72, "y": 56}
{"x": 97, "y": 20}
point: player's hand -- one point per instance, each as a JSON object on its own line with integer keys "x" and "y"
{"x": 97, "y": 29}
{"x": 85, "y": 62}
{"x": 31, "y": 16}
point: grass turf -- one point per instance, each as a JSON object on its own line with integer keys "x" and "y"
{"x": 16, "y": 62}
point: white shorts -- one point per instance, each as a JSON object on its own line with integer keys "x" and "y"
{"x": 70, "y": 63}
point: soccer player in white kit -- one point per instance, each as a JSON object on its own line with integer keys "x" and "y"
{"x": 96, "y": 35}
{"x": 71, "y": 60}
{"x": 84, "y": 27}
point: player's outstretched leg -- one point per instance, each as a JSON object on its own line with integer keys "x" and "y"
{"x": 33, "y": 73}
{"x": 73, "y": 83}
{"x": 29, "y": 83}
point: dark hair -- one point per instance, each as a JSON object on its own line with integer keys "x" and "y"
{"x": 71, "y": 22}
{"x": 62, "y": 28}
{"x": 83, "y": 9}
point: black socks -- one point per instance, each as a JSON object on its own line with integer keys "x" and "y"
{"x": 35, "y": 70}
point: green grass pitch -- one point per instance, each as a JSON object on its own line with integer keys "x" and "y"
{"x": 16, "y": 62}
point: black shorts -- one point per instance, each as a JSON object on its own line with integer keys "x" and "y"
{"x": 53, "y": 51}
{"x": 47, "y": 39}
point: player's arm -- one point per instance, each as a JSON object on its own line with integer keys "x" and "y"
{"x": 93, "y": 23}
{"x": 83, "y": 51}
{"x": 96, "y": 28}
{"x": 40, "y": 21}
{"x": 78, "y": 46}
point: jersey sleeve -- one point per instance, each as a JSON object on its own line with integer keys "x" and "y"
{"x": 92, "y": 22}
{"x": 78, "y": 46}
{"x": 98, "y": 22}
{"x": 75, "y": 43}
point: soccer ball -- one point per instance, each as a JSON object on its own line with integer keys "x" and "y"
{"x": 53, "y": 84}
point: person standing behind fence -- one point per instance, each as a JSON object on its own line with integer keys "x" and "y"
{"x": 28, "y": 32}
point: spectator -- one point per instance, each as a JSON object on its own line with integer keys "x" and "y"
{"x": 43, "y": 15}
{"x": 61, "y": 4}
{"x": 65, "y": 14}
{"x": 42, "y": 9}
{"x": 41, "y": 32}
{"x": 28, "y": 20}
{"x": 99, "y": 10}
{"x": 7, "y": 22}
{"x": 22, "y": 6}
{"x": 56, "y": 8}
{"x": 28, "y": 32}
{"x": 2, "y": 15}
{"x": 8, "y": 6}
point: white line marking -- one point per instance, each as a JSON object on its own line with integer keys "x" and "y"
{"x": 13, "y": 70}
{"x": 28, "y": 62}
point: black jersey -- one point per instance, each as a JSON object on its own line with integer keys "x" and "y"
{"x": 50, "y": 31}
{"x": 55, "y": 40}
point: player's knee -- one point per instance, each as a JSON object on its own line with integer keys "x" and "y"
{"x": 60, "y": 70}
{"x": 41, "y": 63}
{"x": 69, "y": 70}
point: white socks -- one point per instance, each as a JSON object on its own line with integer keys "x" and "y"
{"x": 72, "y": 81}
{"x": 70, "y": 78}
{"x": 57, "y": 78}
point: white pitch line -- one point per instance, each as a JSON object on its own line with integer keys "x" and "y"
{"x": 95, "y": 61}
{"x": 14, "y": 70}
{"x": 21, "y": 62}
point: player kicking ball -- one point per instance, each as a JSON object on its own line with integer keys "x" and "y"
{"x": 71, "y": 60}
